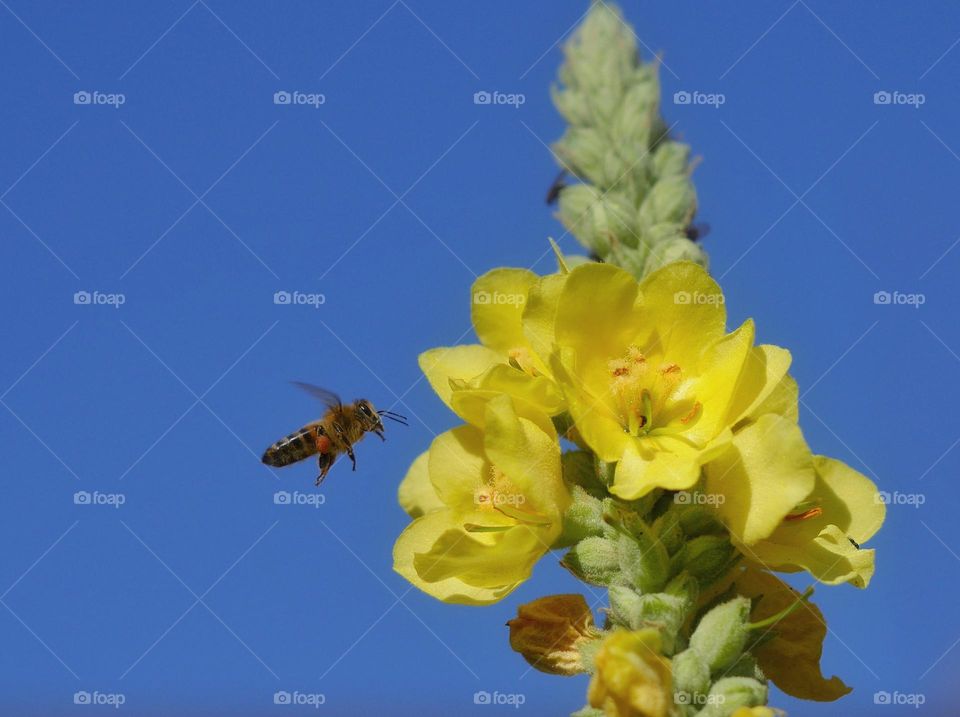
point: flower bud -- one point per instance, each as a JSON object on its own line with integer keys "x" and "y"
{"x": 722, "y": 634}
{"x": 593, "y": 560}
{"x": 632, "y": 678}
{"x": 663, "y": 612}
{"x": 730, "y": 694}
{"x": 706, "y": 558}
{"x": 691, "y": 678}
{"x": 671, "y": 159}
{"x": 582, "y": 519}
{"x": 644, "y": 561}
{"x": 551, "y": 632}
{"x": 677, "y": 249}
{"x": 671, "y": 199}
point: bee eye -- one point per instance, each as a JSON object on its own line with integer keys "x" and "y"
{"x": 363, "y": 407}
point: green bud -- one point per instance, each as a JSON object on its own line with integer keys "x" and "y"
{"x": 691, "y": 678}
{"x": 706, "y": 558}
{"x": 582, "y": 519}
{"x": 661, "y": 611}
{"x": 579, "y": 469}
{"x": 746, "y": 666}
{"x": 594, "y": 560}
{"x": 684, "y": 586}
{"x": 671, "y": 159}
{"x": 582, "y": 150}
{"x": 677, "y": 249}
{"x": 731, "y": 693}
{"x": 700, "y": 520}
{"x": 668, "y": 528}
{"x": 605, "y": 471}
{"x": 722, "y": 634}
{"x": 643, "y": 561}
{"x": 672, "y": 199}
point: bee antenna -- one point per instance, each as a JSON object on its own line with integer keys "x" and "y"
{"x": 394, "y": 417}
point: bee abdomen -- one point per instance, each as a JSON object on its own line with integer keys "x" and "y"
{"x": 291, "y": 449}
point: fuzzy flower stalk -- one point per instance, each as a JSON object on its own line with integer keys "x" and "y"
{"x": 610, "y": 416}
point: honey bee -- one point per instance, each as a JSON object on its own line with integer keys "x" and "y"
{"x": 341, "y": 427}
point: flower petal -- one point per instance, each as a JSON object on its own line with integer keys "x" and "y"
{"x": 530, "y": 458}
{"x": 535, "y": 398}
{"x": 540, "y": 315}
{"x": 672, "y": 464}
{"x": 762, "y": 476}
{"x": 416, "y": 493}
{"x": 463, "y": 363}
{"x": 498, "y": 298}
{"x": 686, "y": 307}
{"x": 457, "y": 467}
{"x": 419, "y": 537}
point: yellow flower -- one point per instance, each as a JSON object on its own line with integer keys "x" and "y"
{"x": 551, "y": 633}
{"x": 488, "y": 504}
{"x": 824, "y": 534}
{"x": 513, "y": 313}
{"x": 789, "y": 652}
{"x": 652, "y": 379}
{"x": 632, "y": 678}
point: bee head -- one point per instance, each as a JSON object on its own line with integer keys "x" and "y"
{"x": 368, "y": 415}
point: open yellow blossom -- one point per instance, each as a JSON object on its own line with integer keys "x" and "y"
{"x": 513, "y": 313}
{"x": 632, "y": 678}
{"x": 488, "y": 504}
{"x": 825, "y": 533}
{"x": 652, "y": 379}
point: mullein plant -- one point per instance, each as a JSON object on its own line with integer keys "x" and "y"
{"x": 608, "y": 413}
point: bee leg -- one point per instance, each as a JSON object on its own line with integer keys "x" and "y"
{"x": 325, "y": 461}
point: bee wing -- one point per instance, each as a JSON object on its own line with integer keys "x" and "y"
{"x": 329, "y": 398}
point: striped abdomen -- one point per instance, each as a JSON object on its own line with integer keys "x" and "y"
{"x": 295, "y": 447}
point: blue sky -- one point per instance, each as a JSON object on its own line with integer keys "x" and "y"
{"x": 197, "y": 198}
